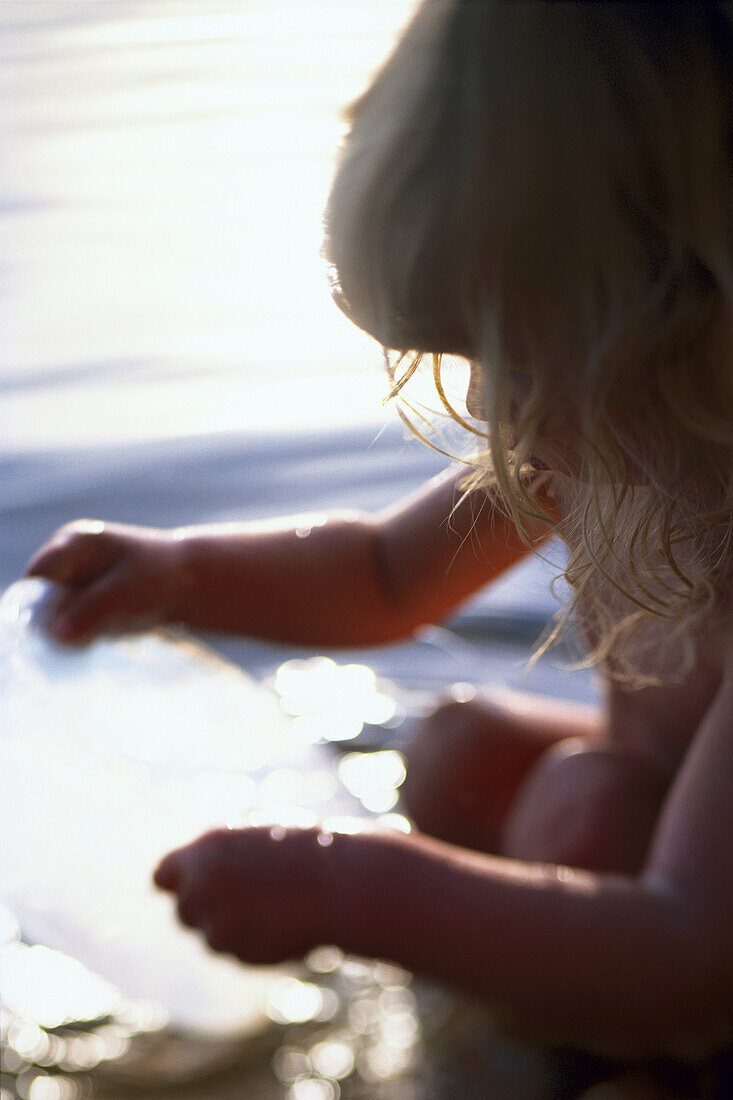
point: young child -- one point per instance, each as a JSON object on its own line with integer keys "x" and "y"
{"x": 545, "y": 189}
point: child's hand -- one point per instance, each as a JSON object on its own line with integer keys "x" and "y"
{"x": 261, "y": 894}
{"x": 117, "y": 578}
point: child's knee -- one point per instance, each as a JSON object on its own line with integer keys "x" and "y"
{"x": 464, "y": 765}
{"x": 459, "y": 741}
{"x": 444, "y": 759}
{"x": 585, "y": 806}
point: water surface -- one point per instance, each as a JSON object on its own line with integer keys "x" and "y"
{"x": 165, "y": 169}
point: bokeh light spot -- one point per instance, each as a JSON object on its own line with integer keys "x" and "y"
{"x": 293, "y": 1001}
{"x": 332, "y": 1058}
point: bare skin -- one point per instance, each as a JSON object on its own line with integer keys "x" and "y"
{"x": 580, "y": 872}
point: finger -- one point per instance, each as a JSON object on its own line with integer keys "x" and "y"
{"x": 75, "y": 554}
{"x": 189, "y": 911}
{"x": 219, "y": 937}
{"x": 167, "y": 874}
{"x": 88, "y": 611}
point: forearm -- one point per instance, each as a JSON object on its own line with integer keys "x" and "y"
{"x": 338, "y": 580}
{"x": 346, "y": 579}
{"x": 560, "y": 948}
{"x": 310, "y": 581}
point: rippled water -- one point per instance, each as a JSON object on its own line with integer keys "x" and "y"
{"x": 165, "y": 166}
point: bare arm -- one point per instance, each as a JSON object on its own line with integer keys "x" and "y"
{"x": 647, "y": 957}
{"x": 349, "y": 579}
{"x": 323, "y": 580}
{"x": 644, "y": 960}
{"x": 582, "y": 953}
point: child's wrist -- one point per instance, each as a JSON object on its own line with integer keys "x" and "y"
{"x": 183, "y": 573}
{"x": 364, "y": 910}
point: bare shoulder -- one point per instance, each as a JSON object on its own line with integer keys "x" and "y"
{"x": 660, "y": 722}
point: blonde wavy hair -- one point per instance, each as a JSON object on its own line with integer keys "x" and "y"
{"x": 544, "y": 187}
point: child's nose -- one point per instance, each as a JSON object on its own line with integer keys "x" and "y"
{"x": 475, "y": 396}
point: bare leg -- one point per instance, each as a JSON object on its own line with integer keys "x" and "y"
{"x": 468, "y": 760}
{"x": 585, "y": 805}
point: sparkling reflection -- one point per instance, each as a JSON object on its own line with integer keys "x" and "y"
{"x": 290, "y": 1064}
{"x": 293, "y": 1001}
{"x": 52, "y": 1088}
{"x": 394, "y": 821}
{"x": 374, "y": 778}
{"x": 27, "y": 1040}
{"x": 324, "y": 960}
{"x": 332, "y": 1058}
{"x": 314, "y": 1089}
{"x": 331, "y": 702}
{"x": 50, "y": 989}
{"x": 345, "y": 1019}
{"x": 380, "y": 1061}
{"x": 373, "y": 1039}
